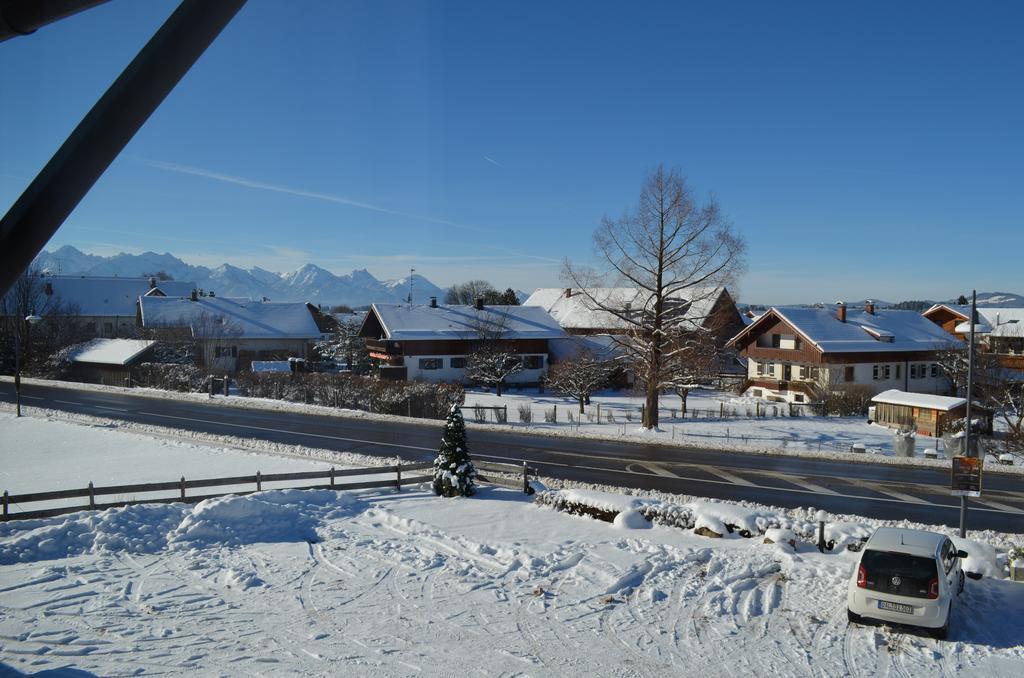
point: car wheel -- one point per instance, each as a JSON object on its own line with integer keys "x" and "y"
{"x": 852, "y": 616}
{"x": 960, "y": 589}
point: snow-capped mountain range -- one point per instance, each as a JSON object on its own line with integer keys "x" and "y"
{"x": 308, "y": 283}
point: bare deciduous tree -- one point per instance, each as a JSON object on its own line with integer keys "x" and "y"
{"x": 579, "y": 376}
{"x": 493, "y": 358}
{"x": 466, "y": 293}
{"x": 346, "y": 345}
{"x": 675, "y": 252}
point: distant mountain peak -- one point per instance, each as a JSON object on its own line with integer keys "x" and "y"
{"x": 309, "y": 283}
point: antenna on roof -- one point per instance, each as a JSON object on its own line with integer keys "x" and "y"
{"x": 409, "y": 299}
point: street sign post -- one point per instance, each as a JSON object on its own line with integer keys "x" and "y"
{"x": 966, "y": 476}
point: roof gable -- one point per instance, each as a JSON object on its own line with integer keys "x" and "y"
{"x": 109, "y": 296}
{"x": 578, "y": 310}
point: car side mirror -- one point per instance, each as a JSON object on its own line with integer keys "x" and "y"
{"x": 961, "y": 554}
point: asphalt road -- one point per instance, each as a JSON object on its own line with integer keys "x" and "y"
{"x": 880, "y": 491}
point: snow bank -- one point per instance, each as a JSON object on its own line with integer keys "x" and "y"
{"x": 275, "y": 516}
{"x": 981, "y": 558}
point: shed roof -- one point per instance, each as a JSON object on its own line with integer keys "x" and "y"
{"x": 243, "y": 318}
{"x": 411, "y": 322}
{"x": 111, "y": 351}
{"x": 925, "y": 400}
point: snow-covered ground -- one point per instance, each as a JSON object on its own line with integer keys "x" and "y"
{"x": 376, "y": 583}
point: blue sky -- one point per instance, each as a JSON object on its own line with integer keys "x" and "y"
{"x": 862, "y": 149}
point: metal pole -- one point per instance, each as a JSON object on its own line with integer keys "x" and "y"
{"x": 17, "y": 371}
{"x": 970, "y": 397}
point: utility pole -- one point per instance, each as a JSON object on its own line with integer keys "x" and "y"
{"x": 970, "y": 397}
{"x": 409, "y": 298}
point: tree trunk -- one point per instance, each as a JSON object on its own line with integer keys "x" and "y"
{"x": 581, "y": 405}
{"x": 682, "y": 397}
{"x": 650, "y": 420}
{"x": 497, "y": 389}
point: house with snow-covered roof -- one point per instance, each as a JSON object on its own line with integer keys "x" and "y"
{"x": 794, "y": 354}
{"x": 999, "y": 331}
{"x": 234, "y": 332}
{"x": 105, "y": 305}
{"x": 108, "y": 361}
{"x": 432, "y": 342}
{"x": 923, "y": 413}
{"x": 581, "y": 311}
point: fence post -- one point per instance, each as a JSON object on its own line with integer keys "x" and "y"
{"x": 505, "y": 408}
{"x": 92, "y": 496}
{"x": 227, "y": 382}
{"x": 721, "y": 410}
{"x": 211, "y": 385}
{"x": 181, "y": 485}
{"x": 757, "y": 410}
{"x": 554, "y": 409}
{"x": 332, "y": 476}
{"x": 599, "y": 413}
{"x": 398, "y": 477}
{"x": 259, "y": 481}
{"x": 526, "y": 479}
{"x": 7, "y": 501}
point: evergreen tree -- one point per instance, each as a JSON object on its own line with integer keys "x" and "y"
{"x": 454, "y": 474}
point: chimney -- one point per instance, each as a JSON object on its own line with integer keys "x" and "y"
{"x": 841, "y": 311}
{"x": 479, "y": 304}
{"x": 869, "y": 306}
{"x": 433, "y": 302}
{"x": 152, "y": 283}
{"x": 568, "y": 292}
{"x": 48, "y": 288}
{"x": 195, "y": 295}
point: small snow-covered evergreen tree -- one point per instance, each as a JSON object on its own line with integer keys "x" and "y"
{"x": 454, "y": 475}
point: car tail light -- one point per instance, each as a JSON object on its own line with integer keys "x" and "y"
{"x": 862, "y": 577}
{"x": 933, "y": 588}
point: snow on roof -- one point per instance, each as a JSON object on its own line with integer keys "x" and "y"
{"x": 111, "y": 351}
{"x": 1004, "y": 322}
{"x": 578, "y": 311}
{"x": 405, "y": 322}
{"x": 925, "y": 400}
{"x": 601, "y": 346}
{"x": 110, "y": 296}
{"x": 884, "y": 330}
{"x": 245, "y": 319}
{"x": 915, "y": 542}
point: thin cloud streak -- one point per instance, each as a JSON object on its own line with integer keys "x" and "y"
{"x": 302, "y": 193}
{"x": 494, "y": 162}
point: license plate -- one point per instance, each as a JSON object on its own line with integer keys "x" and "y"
{"x": 895, "y": 607}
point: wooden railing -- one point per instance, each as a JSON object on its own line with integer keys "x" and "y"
{"x": 181, "y": 487}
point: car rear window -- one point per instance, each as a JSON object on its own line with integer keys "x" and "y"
{"x": 898, "y": 573}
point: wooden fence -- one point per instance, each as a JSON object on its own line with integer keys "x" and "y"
{"x": 181, "y": 486}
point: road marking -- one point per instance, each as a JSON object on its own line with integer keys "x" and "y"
{"x": 294, "y": 433}
{"x": 800, "y": 481}
{"x": 656, "y": 469}
{"x": 732, "y": 478}
{"x": 66, "y": 402}
{"x": 112, "y": 409}
{"x": 28, "y": 397}
{"x": 997, "y": 505}
{"x": 892, "y": 493}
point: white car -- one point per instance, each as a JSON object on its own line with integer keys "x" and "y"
{"x": 907, "y": 577}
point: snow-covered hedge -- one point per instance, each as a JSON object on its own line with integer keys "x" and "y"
{"x": 416, "y": 399}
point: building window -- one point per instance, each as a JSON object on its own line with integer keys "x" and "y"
{"x": 898, "y": 366}
{"x": 108, "y": 328}
{"x": 533, "y": 362}
{"x": 848, "y": 373}
{"x": 935, "y": 370}
{"x": 885, "y": 371}
{"x": 431, "y": 363}
{"x": 225, "y": 352}
{"x": 458, "y": 363}
{"x": 913, "y": 371}
{"x": 755, "y": 392}
{"x": 797, "y": 344}
{"x": 798, "y": 397}
{"x": 875, "y": 370}
{"x": 760, "y": 369}
{"x": 776, "y": 340}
